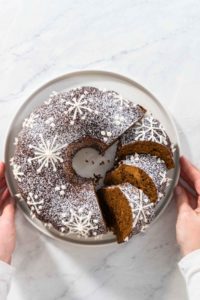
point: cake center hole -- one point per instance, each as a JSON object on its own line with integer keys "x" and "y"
{"x": 89, "y": 163}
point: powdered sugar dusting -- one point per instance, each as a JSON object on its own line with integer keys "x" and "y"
{"x": 40, "y": 152}
{"x": 147, "y": 129}
{"x": 80, "y": 222}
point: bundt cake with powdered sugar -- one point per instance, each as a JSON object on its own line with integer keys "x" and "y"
{"x": 44, "y": 149}
{"x": 89, "y": 117}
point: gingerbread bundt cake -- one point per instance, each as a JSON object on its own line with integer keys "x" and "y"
{"x": 88, "y": 117}
{"x": 50, "y": 137}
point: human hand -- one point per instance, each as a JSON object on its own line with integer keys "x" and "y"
{"x": 188, "y": 207}
{"x": 7, "y": 220}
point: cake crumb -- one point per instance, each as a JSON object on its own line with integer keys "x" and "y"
{"x": 97, "y": 177}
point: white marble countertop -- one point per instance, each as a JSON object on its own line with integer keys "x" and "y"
{"x": 157, "y": 43}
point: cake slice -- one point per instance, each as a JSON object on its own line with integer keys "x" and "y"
{"x": 147, "y": 147}
{"x": 154, "y": 167}
{"x": 126, "y": 209}
{"x": 146, "y": 172}
{"x": 125, "y": 173}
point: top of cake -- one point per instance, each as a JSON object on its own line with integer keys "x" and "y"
{"x": 98, "y": 118}
{"x": 80, "y": 118}
{"x": 146, "y": 129}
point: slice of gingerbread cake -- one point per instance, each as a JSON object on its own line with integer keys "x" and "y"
{"x": 127, "y": 210}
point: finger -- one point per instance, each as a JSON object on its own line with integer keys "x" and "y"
{"x": 187, "y": 179}
{"x": 198, "y": 202}
{"x": 191, "y": 197}
{"x": 192, "y": 200}
{"x": 182, "y": 199}
{"x": 191, "y": 173}
{"x": 2, "y": 168}
{"x": 2, "y": 182}
{"x": 8, "y": 213}
{"x": 191, "y": 193}
{"x": 4, "y": 196}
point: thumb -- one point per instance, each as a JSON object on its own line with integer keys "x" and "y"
{"x": 198, "y": 203}
{"x": 182, "y": 200}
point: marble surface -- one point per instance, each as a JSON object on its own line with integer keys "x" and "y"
{"x": 157, "y": 43}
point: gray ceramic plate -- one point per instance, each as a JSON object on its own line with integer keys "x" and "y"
{"x": 103, "y": 80}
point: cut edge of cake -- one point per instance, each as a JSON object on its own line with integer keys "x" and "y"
{"x": 147, "y": 147}
{"x": 136, "y": 176}
{"x": 117, "y": 199}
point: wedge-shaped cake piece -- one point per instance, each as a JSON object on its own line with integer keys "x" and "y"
{"x": 154, "y": 167}
{"x": 126, "y": 173}
{"x": 126, "y": 209}
{"x": 147, "y": 147}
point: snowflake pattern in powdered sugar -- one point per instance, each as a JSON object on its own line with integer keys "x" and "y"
{"x": 80, "y": 223}
{"x": 106, "y": 135}
{"x": 118, "y": 120}
{"x": 50, "y": 122}
{"x": 150, "y": 129}
{"x": 165, "y": 179}
{"x": 120, "y": 100}
{"x": 173, "y": 148}
{"x": 147, "y": 129}
{"x": 11, "y": 161}
{"x": 143, "y": 210}
{"x": 15, "y": 141}
{"x": 35, "y": 203}
{"x": 47, "y": 225}
{"x": 30, "y": 122}
{"x": 19, "y": 197}
{"x": 17, "y": 173}
{"x": 61, "y": 189}
{"x": 47, "y": 153}
{"x": 78, "y": 107}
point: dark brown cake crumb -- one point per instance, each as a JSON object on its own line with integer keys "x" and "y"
{"x": 117, "y": 212}
{"x": 147, "y": 147}
{"x": 97, "y": 178}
